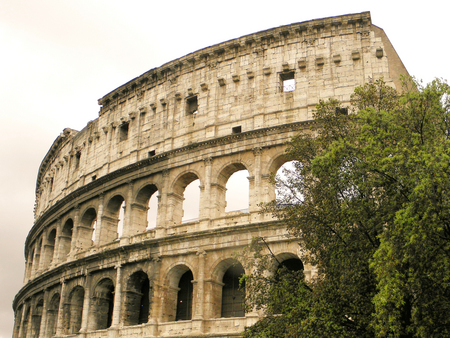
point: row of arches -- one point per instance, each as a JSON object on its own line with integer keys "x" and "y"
{"x": 90, "y": 304}
{"x": 134, "y": 209}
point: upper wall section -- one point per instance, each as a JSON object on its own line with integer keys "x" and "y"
{"x": 236, "y": 86}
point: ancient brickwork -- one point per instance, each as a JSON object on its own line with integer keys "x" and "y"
{"x": 205, "y": 116}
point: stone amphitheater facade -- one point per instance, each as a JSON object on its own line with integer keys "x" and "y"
{"x": 207, "y": 115}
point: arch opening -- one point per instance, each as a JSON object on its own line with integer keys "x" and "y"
{"x": 75, "y": 310}
{"x": 232, "y": 292}
{"x": 237, "y": 191}
{"x": 288, "y": 183}
{"x": 52, "y": 315}
{"x": 101, "y": 311}
{"x": 184, "y": 297}
{"x": 137, "y": 299}
{"x": 86, "y": 232}
{"x": 65, "y": 240}
{"x": 36, "y": 319}
{"x": 144, "y": 211}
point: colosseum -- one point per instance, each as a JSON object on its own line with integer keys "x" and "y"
{"x": 111, "y": 253}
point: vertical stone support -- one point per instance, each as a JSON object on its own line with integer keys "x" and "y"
{"x": 98, "y": 230}
{"x": 163, "y": 216}
{"x": 86, "y": 303}
{"x": 75, "y": 234}
{"x": 199, "y": 310}
{"x": 117, "y": 297}
{"x": 128, "y": 225}
{"x": 174, "y": 209}
{"x": 218, "y": 200}
{"x": 22, "y": 318}
{"x": 56, "y": 252}
{"x": 255, "y": 185}
{"x": 43, "y": 331}
{"x": 60, "y": 320}
{"x": 205, "y": 197}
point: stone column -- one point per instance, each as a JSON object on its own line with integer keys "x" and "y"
{"x": 60, "y": 319}
{"x": 200, "y": 295}
{"x": 205, "y": 197}
{"x": 117, "y": 297}
{"x": 43, "y": 328}
{"x": 162, "y": 217}
{"x": 56, "y": 252}
{"x": 86, "y": 303}
{"x": 22, "y": 317}
{"x": 255, "y": 184}
{"x": 76, "y": 223}
{"x": 98, "y": 228}
{"x": 127, "y": 225}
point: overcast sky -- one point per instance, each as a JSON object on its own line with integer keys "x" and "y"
{"x": 58, "y": 57}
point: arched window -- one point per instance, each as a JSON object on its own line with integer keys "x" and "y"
{"x": 75, "y": 310}
{"x": 36, "y": 319}
{"x": 232, "y": 293}
{"x": 237, "y": 194}
{"x": 184, "y": 298}
{"x": 17, "y": 321}
{"x": 65, "y": 240}
{"x": 52, "y": 315}
{"x": 144, "y": 210}
{"x": 289, "y": 269}
{"x": 286, "y": 188}
{"x": 137, "y": 299}
{"x": 50, "y": 247}
{"x": 109, "y": 231}
{"x": 102, "y": 305}
{"x": 191, "y": 202}
{"x": 85, "y": 232}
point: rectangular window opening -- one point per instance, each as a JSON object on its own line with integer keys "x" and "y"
{"x": 123, "y": 132}
{"x": 151, "y": 153}
{"x": 287, "y": 82}
{"x": 192, "y": 105}
{"x": 236, "y": 130}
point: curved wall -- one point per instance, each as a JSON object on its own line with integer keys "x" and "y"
{"x": 207, "y": 115}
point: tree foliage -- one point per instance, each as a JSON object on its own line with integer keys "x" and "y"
{"x": 369, "y": 201}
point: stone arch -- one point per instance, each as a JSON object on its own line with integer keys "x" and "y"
{"x": 281, "y": 167}
{"x": 36, "y": 318}
{"x": 109, "y": 230}
{"x": 102, "y": 305}
{"x": 37, "y": 255}
{"x": 140, "y": 208}
{"x": 178, "y": 304}
{"x": 65, "y": 240}
{"x": 220, "y": 189}
{"x": 177, "y": 198}
{"x": 74, "y": 310}
{"x": 137, "y": 299}
{"x": 228, "y": 297}
{"x": 86, "y": 228}
{"x": 30, "y": 261}
{"x": 49, "y": 247}
{"x": 52, "y": 315}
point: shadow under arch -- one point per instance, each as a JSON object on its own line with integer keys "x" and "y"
{"x": 102, "y": 305}
{"x": 85, "y": 231}
{"x": 179, "y": 201}
{"x": 65, "y": 240}
{"x": 178, "y": 304}
{"x": 137, "y": 299}
{"x": 74, "y": 310}
{"x": 141, "y": 210}
{"x": 228, "y": 293}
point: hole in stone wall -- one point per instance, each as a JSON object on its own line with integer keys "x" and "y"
{"x": 232, "y": 294}
{"x": 123, "y": 131}
{"x": 237, "y": 195}
{"x": 236, "y": 130}
{"x": 152, "y": 212}
{"x": 191, "y": 202}
{"x": 192, "y": 105}
{"x": 184, "y": 298}
{"x": 287, "y": 82}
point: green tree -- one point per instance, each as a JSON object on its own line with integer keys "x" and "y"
{"x": 368, "y": 200}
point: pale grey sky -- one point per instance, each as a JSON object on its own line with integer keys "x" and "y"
{"x": 58, "y": 57}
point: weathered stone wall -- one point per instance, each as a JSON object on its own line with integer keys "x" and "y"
{"x": 204, "y": 116}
